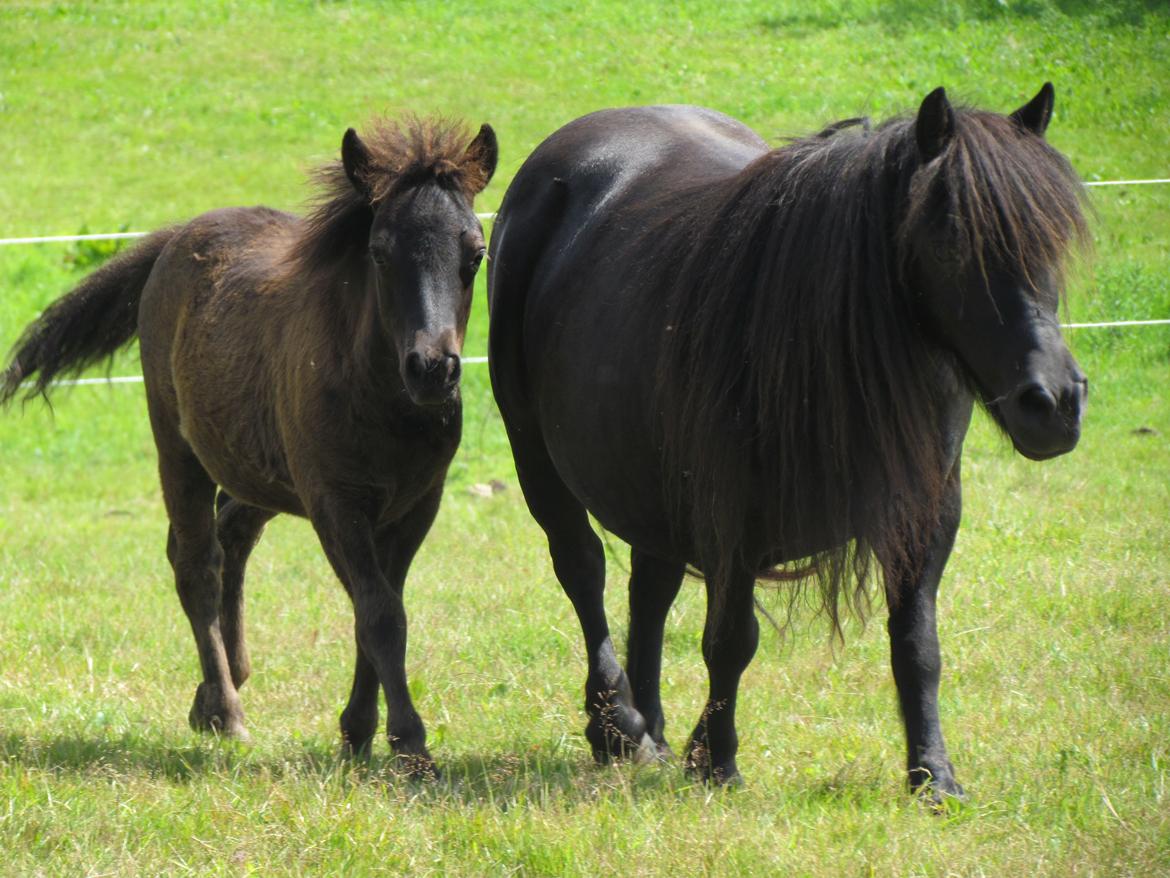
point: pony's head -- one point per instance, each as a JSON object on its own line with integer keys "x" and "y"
{"x": 417, "y": 182}
{"x": 993, "y": 210}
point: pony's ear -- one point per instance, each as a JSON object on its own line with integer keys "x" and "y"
{"x": 1037, "y": 113}
{"x": 481, "y": 156}
{"x": 355, "y": 158}
{"x": 935, "y": 124}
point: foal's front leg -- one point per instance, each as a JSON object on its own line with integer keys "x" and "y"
{"x": 396, "y": 546}
{"x": 347, "y": 535}
{"x": 914, "y": 652}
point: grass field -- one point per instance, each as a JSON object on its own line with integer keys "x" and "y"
{"x": 1055, "y": 612}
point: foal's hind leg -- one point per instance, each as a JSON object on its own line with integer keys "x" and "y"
{"x": 654, "y": 584}
{"x": 615, "y": 727}
{"x": 730, "y": 637}
{"x": 238, "y": 527}
{"x": 197, "y": 559}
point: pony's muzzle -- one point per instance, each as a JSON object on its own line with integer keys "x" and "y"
{"x": 431, "y": 376}
{"x": 1044, "y": 419}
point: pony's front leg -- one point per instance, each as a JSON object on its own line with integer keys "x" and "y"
{"x": 347, "y": 536}
{"x": 730, "y": 637}
{"x": 914, "y": 651}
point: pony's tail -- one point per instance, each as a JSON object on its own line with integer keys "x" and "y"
{"x": 84, "y": 326}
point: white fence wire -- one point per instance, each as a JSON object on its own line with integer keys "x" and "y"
{"x": 137, "y": 379}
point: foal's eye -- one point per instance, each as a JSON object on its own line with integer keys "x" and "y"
{"x": 477, "y": 259}
{"x": 378, "y": 256}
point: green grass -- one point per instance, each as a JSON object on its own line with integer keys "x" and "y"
{"x": 1055, "y": 613}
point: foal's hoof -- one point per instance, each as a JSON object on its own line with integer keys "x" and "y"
{"x": 212, "y": 713}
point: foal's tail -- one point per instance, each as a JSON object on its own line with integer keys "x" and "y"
{"x": 86, "y": 325}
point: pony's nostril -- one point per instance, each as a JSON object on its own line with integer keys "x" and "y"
{"x": 1036, "y": 400}
{"x": 416, "y": 365}
{"x": 454, "y": 368}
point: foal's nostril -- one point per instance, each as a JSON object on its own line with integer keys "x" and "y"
{"x": 1036, "y": 400}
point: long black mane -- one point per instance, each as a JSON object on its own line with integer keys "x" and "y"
{"x": 794, "y": 357}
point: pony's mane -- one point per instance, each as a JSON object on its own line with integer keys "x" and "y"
{"x": 404, "y": 153}
{"x": 794, "y": 347}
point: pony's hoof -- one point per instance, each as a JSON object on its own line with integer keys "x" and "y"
{"x": 698, "y": 765}
{"x": 418, "y": 767}
{"x": 617, "y": 732}
{"x": 722, "y": 778}
{"x": 941, "y": 798}
{"x": 647, "y": 752}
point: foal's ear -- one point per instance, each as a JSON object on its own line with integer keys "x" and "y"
{"x": 355, "y": 157}
{"x": 1037, "y": 113}
{"x": 935, "y": 124}
{"x": 481, "y": 156}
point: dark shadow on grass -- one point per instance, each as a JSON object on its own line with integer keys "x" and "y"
{"x": 504, "y": 780}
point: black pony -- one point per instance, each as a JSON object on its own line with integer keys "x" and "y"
{"x": 763, "y": 364}
{"x": 308, "y": 366}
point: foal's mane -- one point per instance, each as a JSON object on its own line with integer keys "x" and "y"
{"x": 404, "y": 153}
{"x": 794, "y": 345}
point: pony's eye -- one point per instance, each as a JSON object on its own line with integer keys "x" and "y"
{"x": 477, "y": 259}
{"x": 947, "y": 253}
{"x": 378, "y": 256}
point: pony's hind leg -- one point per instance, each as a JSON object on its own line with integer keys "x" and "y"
{"x": 654, "y": 584}
{"x": 197, "y": 559}
{"x": 615, "y": 726}
{"x": 238, "y": 527}
{"x": 730, "y": 637}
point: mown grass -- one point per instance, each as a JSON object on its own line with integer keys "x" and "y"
{"x": 1055, "y": 612}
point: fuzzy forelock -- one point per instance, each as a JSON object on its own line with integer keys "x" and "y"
{"x": 404, "y": 152}
{"x": 1011, "y": 197}
{"x": 407, "y": 149}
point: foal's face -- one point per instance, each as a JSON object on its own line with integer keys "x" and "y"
{"x": 426, "y": 246}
